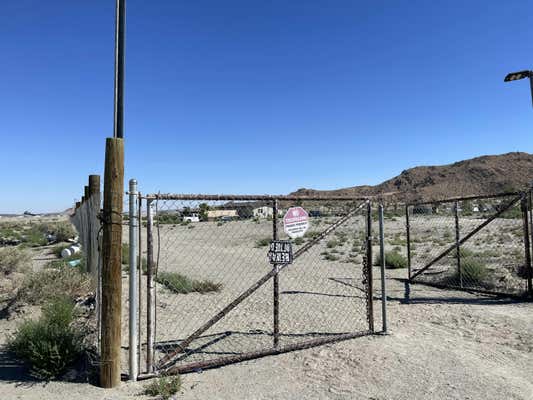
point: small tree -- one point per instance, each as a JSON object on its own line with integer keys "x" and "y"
{"x": 204, "y": 208}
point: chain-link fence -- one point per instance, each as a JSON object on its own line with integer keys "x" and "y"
{"x": 477, "y": 243}
{"x": 210, "y": 296}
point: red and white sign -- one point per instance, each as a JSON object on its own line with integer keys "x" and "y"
{"x": 296, "y": 222}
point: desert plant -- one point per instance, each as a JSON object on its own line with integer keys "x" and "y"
{"x": 50, "y": 344}
{"x": 330, "y": 256}
{"x": 59, "y": 279}
{"x": 263, "y": 242}
{"x": 473, "y": 270}
{"x": 13, "y": 259}
{"x": 179, "y": 283}
{"x": 332, "y": 243}
{"x": 298, "y": 241}
{"x": 393, "y": 260}
{"x": 163, "y": 387}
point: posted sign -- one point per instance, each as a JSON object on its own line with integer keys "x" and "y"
{"x": 280, "y": 252}
{"x": 296, "y": 222}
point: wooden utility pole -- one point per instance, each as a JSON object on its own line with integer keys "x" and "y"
{"x": 111, "y": 263}
{"x": 94, "y": 202}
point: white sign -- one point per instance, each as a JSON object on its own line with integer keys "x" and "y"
{"x": 280, "y": 252}
{"x": 296, "y": 222}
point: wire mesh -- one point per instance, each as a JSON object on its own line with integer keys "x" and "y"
{"x": 211, "y": 252}
{"x": 486, "y": 245}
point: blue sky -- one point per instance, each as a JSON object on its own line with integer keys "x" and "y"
{"x": 256, "y": 97}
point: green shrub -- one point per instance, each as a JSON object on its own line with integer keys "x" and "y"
{"x": 50, "y": 344}
{"x": 298, "y": 241}
{"x": 473, "y": 270}
{"x": 393, "y": 260}
{"x": 167, "y": 218}
{"x": 179, "y": 283}
{"x": 163, "y": 387}
{"x": 263, "y": 242}
{"x": 330, "y": 257}
{"x": 312, "y": 234}
{"x": 59, "y": 279}
{"x": 13, "y": 259}
{"x": 332, "y": 243}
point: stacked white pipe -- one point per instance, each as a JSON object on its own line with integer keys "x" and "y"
{"x": 70, "y": 251}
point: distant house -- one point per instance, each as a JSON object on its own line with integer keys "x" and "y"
{"x": 263, "y": 212}
{"x": 222, "y": 213}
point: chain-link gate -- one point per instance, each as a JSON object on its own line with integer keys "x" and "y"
{"x": 478, "y": 243}
{"x": 211, "y": 296}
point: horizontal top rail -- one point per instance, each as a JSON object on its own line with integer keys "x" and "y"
{"x": 246, "y": 197}
{"x": 478, "y": 197}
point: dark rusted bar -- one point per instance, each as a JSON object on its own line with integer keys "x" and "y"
{"x": 167, "y": 360}
{"x": 201, "y": 365}
{"x": 408, "y": 232}
{"x": 464, "y": 239}
{"x": 457, "y": 246}
{"x": 150, "y": 289}
{"x": 246, "y": 197}
{"x": 275, "y": 280}
{"x": 139, "y": 268}
{"x": 527, "y": 251}
{"x": 453, "y": 199}
{"x": 370, "y": 277}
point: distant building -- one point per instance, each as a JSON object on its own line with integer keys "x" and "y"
{"x": 219, "y": 213}
{"x": 263, "y": 212}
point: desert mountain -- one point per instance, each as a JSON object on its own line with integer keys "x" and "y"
{"x": 477, "y": 176}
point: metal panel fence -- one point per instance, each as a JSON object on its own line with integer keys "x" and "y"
{"x": 212, "y": 297}
{"x": 477, "y": 243}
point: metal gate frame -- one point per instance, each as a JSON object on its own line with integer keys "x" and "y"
{"x": 166, "y": 364}
{"x": 525, "y": 199}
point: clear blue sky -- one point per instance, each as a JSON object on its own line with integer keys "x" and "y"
{"x": 256, "y": 96}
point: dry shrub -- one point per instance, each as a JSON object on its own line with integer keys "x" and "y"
{"x": 52, "y": 282}
{"x": 14, "y": 259}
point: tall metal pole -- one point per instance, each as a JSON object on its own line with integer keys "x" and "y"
{"x": 134, "y": 300}
{"x": 457, "y": 243}
{"x": 276, "y": 275}
{"x": 527, "y": 250}
{"x": 120, "y": 28}
{"x": 369, "y": 260}
{"x": 111, "y": 302}
{"x": 382, "y": 258}
{"x": 150, "y": 289}
{"x": 408, "y": 232}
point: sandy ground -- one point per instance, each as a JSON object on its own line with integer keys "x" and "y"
{"x": 441, "y": 345}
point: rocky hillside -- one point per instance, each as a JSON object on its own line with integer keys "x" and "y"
{"x": 476, "y": 176}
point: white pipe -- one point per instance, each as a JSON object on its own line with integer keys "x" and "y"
{"x": 133, "y": 315}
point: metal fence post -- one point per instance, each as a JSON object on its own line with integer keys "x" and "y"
{"x": 370, "y": 294}
{"x": 408, "y": 232}
{"x": 383, "y": 279}
{"x": 150, "y": 289}
{"x": 457, "y": 243}
{"x": 133, "y": 300}
{"x": 276, "y": 275}
{"x": 527, "y": 252}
